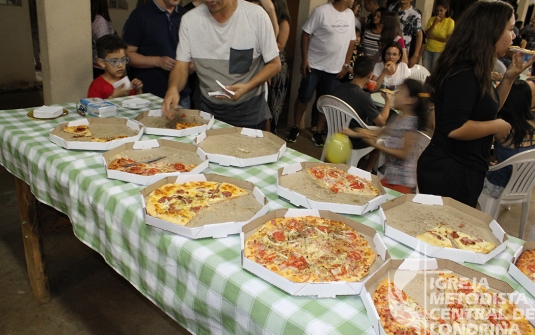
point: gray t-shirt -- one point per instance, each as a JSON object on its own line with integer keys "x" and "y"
{"x": 231, "y": 52}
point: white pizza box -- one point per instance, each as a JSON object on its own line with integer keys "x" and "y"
{"x": 518, "y": 275}
{"x": 145, "y": 119}
{"x": 153, "y": 148}
{"x": 418, "y": 278}
{"x": 215, "y": 230}
{"x": 477, "y": 224}
{"x": 301, "y": 200}
{"x": 57, "y": 135}
{"x": 226, "y": 160}
{"x": 321, "y": 290}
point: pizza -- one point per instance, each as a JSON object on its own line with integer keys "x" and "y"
{"x": 526, "y": 263}
{"x": 148, "y": 169}
{"x": 180, "y": 203}
{"x": 84, "y": 131}
{"x": 522, "y": 50}
{"x": 183, "y": 124}
{"x": 78, "y": 131}
{"x": 310, "y": 249}
{"x": 442, "y": 236}
{"x": 338, "y": 180}
{"x": 387, "y": 91}
{"x": 464, "y": 307}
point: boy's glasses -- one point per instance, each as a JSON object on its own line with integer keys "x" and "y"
{"x": 116, "y": 62}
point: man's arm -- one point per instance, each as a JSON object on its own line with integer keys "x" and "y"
{"x": 419, "y": 38}
{"x": 177, "y": 80}
{"x": 381, "y": 119}
{"x": 270, "y": 69}
{"x": 347, "y": 60}
{"x": 144, "y": 62}
{"x": 269, "y": 7}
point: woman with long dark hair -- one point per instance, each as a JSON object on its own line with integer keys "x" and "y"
{"x": 466, "y": 103}
{"x": 517, "y": 112}
{"x": 391, "y": 32}
{"x": 392, "y": 70}
{"x": 100, "y": 26}
{"x": 372, "y": 34}
{"x": 438, "y": 32}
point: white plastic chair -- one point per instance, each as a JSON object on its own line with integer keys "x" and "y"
{"x": 338, "y": 114}
{"x": 419, "y": 73}
{"x": 518, "y": 189}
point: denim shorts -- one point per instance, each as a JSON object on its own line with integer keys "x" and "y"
{"x": 319, "y": 81}
{"x": 491, "y": 189}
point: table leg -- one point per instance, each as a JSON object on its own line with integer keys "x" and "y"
{"x": 33, "y": 246}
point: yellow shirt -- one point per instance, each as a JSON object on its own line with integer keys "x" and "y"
{"x": 442, "y": 29}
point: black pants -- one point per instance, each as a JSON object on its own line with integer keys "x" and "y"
{"x": 442, "y": 175}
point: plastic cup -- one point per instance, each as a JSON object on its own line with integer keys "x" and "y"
{"x": 371, "y": 85}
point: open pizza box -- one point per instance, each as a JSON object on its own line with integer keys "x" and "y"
{"x": 518, "y": 275}
{"x": 99, "y": 127}
{"x": 255, "y": 146}
{"x": 143, "y": 150}
{"x": 221, "y": 224}
{"x": 321, "y": 290}
{"x": 157, "y": 124}
{"x": 410, "y": 215}
{"x": 294, "y": 184}
{"x": 418, "y": 278}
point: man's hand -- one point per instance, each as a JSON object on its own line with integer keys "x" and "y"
{"x": 166, "y": 63}
{"x": 305, "y": 68}
{"x": 120, "y": 91}
{"x": 171, "y": 100}
{"x": 238, "y": 89}
{"x": 137, "y": 85}
{"x": 342, "y": 73}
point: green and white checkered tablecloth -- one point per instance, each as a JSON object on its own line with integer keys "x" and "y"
{"x": 199, "y": 283}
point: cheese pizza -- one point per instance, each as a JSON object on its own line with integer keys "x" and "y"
{"x": 522, "y": 50}
{"x": 465, "y": 309}
{"x": 84, "y": 131}
{"x": 180, "y": 203}
{"x": 526, "y": 263}
{"x": 338, "y": 180}
{"x": 442, "y": 236}
{"x": 148, "y": 169}
{"x": 310, "y": 249}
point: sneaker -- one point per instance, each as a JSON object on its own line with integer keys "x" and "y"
{"x": 292, "y": 136}
{"x": 317, "y": 138}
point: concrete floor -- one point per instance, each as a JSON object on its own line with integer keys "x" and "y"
{"x": 88, "y": 297}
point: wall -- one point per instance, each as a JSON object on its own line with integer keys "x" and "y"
{"x": 16, "y": 53}
{"x": 118, "y": 16}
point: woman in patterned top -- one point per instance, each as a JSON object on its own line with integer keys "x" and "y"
{"x": 399, "y": 135}
{"x": 372, "y": 34}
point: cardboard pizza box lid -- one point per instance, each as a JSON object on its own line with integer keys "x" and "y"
{"x": 518, "y": 275}
{"x": 216, "y": 229}
{"x": 418, "y": 278}
{"x": 226, "y": 160}
{"x": 422, "y": 212}
{"x": 299, "y": 199}
{"x": 64, "y": 140}
{"x": 153, "y": 117}
{"x": 151, "y": 149}
{"x": 321, "y": 290}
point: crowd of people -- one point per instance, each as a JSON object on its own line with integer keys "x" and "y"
{"x": 241, "y": 44}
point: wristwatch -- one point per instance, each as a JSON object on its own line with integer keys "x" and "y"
{"x": 346, "y": 66}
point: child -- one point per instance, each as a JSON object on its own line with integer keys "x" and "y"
{"x": 112, "y": 57}
{"x": 399, "y": 171}
{"x": 358, "y": 51}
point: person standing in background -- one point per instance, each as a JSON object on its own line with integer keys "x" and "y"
{"x": 438, "y": 32}
{"x": 372, "y": 35}
{"x": 327, "y": 43}
{"x": 411, "y": 21}
{"x": 371, "y": 6}
{"x": 279, "y": 83}
{"x": 151, "y": 33}
{"x": 100, "y": 26}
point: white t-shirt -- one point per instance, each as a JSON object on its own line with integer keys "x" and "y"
{"x": 330, "y": 33}
{"x": 403, "y": 72}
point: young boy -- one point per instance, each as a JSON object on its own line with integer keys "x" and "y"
{"x": 112, "y": 57}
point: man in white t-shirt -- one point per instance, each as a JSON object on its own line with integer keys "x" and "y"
{"x": 231, "y": 41}
{"x": 327, "y": 43}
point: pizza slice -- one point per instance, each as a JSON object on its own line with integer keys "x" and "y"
{"x": 526, "y": 263}
{"x": 467, "y": 242}
{"x": 438, "y": 236}
{"x": 107, "y": 139}
{"x": 185, "y": 125}
{"x": 225, "y": 191}
{"x": 357, "y": 185}
{"x": 78, "y": 131}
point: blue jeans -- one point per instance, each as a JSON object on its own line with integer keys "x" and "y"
{"x": 185, "y": 102}
{"x": 429, "y": 59}
{"x": 319, "y": 81}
